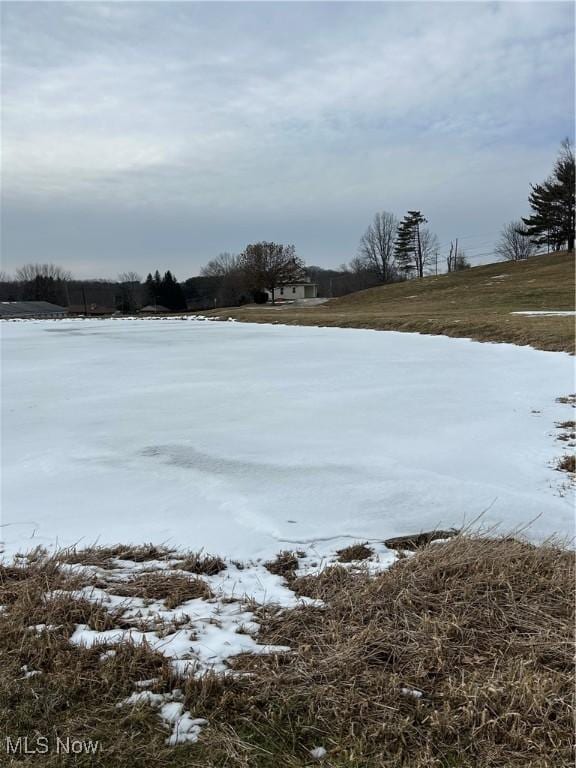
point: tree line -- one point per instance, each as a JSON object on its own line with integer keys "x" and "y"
{"x": 552, "y": 223}
{"x": 390, "y": 250}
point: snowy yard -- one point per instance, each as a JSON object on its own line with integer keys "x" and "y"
{"x": 247, "y": 439}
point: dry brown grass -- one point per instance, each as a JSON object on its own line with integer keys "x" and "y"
{"x": 476, "y": 303}
{"x": 199, "y": 562}
{"x": 76, "y": 692}
{"x": 284, "y": 564}
{"x": 104, "y": 557}
{"x": 567, "y": 463}
{"x": 483, "y": 628}
{"x": 172, "y": 588}
{"x": 354, "y": 552}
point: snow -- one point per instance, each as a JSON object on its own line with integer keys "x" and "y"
{"x": 244, "y": 439}
{"x": 196, "y": 636}
{"x": 184, "y": 727}
{"x": 217, "y": 641}
{"x": 413, "y": 692}
{"x": 546, "y": 313}
{"x": 29, "y": 672}
{"x": 254, "y": 581}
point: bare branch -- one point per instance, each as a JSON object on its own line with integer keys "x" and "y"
{"x": 514, "y": 243}
{"x": 376, "y": 248}
{"x": 31, "y": 271}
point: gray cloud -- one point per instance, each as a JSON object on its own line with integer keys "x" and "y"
{"x": 139, "y": 135}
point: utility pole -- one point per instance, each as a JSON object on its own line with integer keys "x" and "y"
{"x": 84, "y": 299}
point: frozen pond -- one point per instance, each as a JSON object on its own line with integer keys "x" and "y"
{"x": 246, "y": 439}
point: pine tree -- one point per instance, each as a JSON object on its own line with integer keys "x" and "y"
{"x": 149, "y": 290}
{"x": 552, "y": 222}
{"x": 157, "y": 286}
{"x": 408, "y": 245}
{"x": 404, "y": 248}
{"x": 171, "y": 294}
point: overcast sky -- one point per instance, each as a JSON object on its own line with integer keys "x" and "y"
{"x": 156, "y": 135}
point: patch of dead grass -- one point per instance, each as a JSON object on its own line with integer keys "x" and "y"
{"x": 172, "y": 588}
{"x": 74, "y": 691}
{"x": 285, "y": 564}
{"x": 567, "y": 463}
{"x": 104, "y": 557}
{"x": 354, "y": 552}
{"x": 200, "y": 562}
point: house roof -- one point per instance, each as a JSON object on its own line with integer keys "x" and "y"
{"x": 296, "y": 282}
{"x": 29, "y": 309}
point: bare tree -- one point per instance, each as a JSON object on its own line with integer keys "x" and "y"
{"x": 228, "y": 274}
{"x": 376, "y": 248}
{"x": 355, "y": 276}
{"x": 44, "y": 282}
{"x": 130, "y": 294}
{"x": 224, "y": 264}
{"x": 358, "y": 265}
{"x": 30, "y": 272}
{"x": 515, "y": 243}
{"x": 129, "y": 277}
{"x": 429, "y": 250}
{"x": 270, "y": 265}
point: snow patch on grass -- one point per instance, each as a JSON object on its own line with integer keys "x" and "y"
{"x": 546, "y": 313}
{"x": 184, "y": 727}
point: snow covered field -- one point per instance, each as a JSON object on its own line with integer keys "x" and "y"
{"x": 247, "y": 439}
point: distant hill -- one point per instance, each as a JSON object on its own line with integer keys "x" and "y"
{"x": 476, "y": 303}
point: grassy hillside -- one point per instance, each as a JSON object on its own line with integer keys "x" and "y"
{"x": 476, "y": 303}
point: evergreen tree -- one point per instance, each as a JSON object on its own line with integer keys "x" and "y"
{"x": 552, "y": 222}
{"x": 408, "y": 246}
{"x": 150, "y": 294}
{"x": 157, "y": 286}
{"x": 171, "y": 294}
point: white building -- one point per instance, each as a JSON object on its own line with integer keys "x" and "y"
{"x": 299, "y": 289}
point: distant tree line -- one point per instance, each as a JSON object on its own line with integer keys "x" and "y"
{"x": 390, "y": 250}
